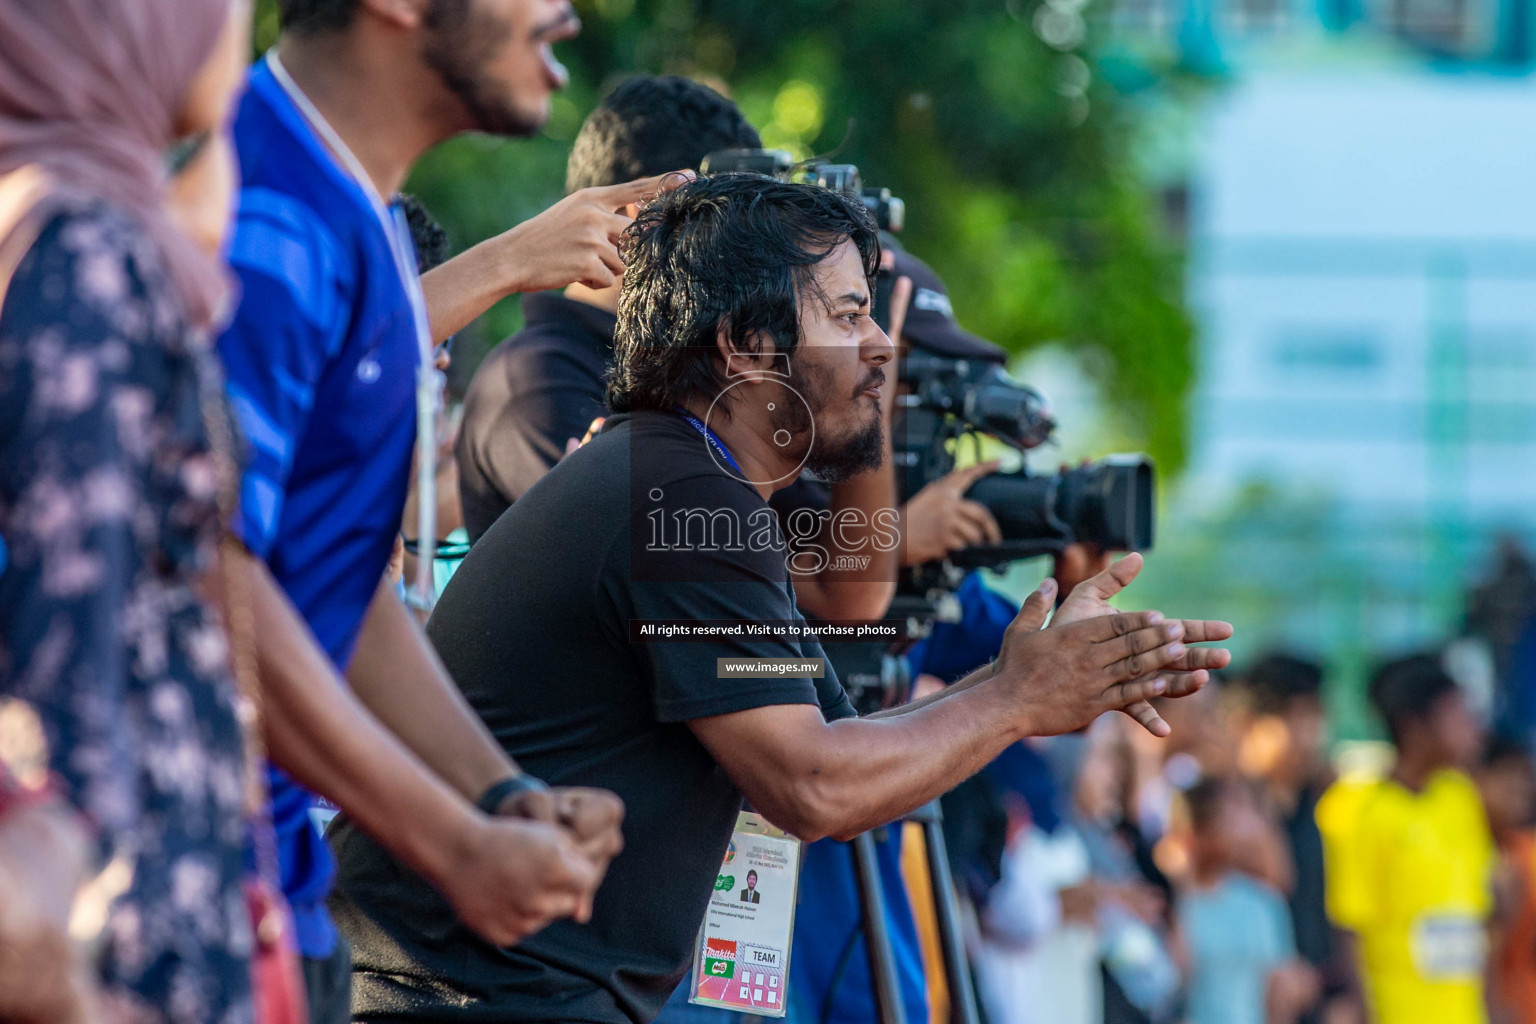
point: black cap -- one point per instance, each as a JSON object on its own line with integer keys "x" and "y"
{"x": 930, "y": 323}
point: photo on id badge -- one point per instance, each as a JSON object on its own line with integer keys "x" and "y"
{"x": 742, "y": 959}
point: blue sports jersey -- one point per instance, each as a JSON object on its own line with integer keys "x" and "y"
{"x": 321, "y": 360}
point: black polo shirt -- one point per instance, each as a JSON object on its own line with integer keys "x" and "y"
{"x": 536, "y": 629}
{"x": 532, "y": 393}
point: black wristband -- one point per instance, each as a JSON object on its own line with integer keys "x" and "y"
{"x": 497, "y": 792}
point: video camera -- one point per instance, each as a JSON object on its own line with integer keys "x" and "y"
{"x": 889, "y": 212}
{"x": 1106, "y": 503}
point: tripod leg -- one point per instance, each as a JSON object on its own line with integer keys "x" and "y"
{"x": 877, "y": 941}
{"x": 962, "y": 994}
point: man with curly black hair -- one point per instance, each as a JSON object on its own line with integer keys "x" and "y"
{"x": 744, "y": 351}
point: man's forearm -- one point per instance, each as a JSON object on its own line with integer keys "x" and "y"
{"x": 878, "y": 770}
{"x": 817, "y": 778}
{"x": 842, "y": 778}
{"x": 318, "y": 732}
{"x": 961, "y": 686}
{"x": 398, "y": 677}
{"x": 461, "y": 289}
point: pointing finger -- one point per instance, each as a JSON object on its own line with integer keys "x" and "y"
{"x": 616, "y": 197}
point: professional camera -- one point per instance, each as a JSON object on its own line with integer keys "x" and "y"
{"x": 890, "y": 213}
{"x": 1107, "y": 503}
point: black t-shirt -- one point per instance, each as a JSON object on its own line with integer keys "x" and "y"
{"x": 1309, "y": 915}
{"x": 536, "y": 629}
{"x": 532, "y": 393}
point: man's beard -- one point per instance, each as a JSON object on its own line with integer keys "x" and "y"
{"x": 458, "y": 47}
{"x": 833, "y": 459}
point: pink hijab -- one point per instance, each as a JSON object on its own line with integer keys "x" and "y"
{"x": 89, "y": 93}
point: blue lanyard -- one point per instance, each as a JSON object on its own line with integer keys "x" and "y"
{"x": 709, "y": 435}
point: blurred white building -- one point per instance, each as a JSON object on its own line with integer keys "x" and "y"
{"x": 1363, "y": 271}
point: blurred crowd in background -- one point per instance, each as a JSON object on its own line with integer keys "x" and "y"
{"x": 1337, "y": 832}
{"x": 1253, "y": 868}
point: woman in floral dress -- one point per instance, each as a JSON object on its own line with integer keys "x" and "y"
{"x": 113, "y": 462}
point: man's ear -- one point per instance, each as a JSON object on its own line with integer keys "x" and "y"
{"x": 743, "y": 364}
{"x": 402, "y": 14}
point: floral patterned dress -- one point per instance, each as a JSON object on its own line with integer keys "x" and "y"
{"x": 109, "y": 508}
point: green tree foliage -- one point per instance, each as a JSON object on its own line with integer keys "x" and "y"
{"x": 991, "y": 119}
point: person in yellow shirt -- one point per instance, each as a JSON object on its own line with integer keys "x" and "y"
{"x": 1410, "y": 858}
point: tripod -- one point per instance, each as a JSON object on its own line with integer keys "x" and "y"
{"x": 877, "y": 940}
{"x": 874, "y": 677}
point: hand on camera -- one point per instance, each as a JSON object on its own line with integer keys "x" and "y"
{"x": 940, "y": 519}
{"x": 576, "y": 241}
{"x": 1090, "y": 600}
{"x": 515, "y": 876}
{"x": 1065, "y": 677}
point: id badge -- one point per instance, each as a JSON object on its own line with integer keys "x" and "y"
{"x": 741, "y": 961}
{"x": 1448, "y": 946}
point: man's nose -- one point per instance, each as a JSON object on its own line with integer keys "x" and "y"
{"x": 879, "y": 350}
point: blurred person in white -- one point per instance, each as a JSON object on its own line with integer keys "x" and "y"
{"x": 1235, "y": 928}
{"x": 1071, "y": 914}
{"x": 115, "y": 473}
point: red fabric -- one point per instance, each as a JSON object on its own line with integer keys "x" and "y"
{"x": 1515, "y": 970}
{"x": 277, "y": 982}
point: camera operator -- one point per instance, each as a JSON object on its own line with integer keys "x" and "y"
{"x": 729, "y": 281}
{"x": 543, "y": 386}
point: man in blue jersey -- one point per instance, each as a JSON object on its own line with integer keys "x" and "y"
{"x": 323, "y": 359}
